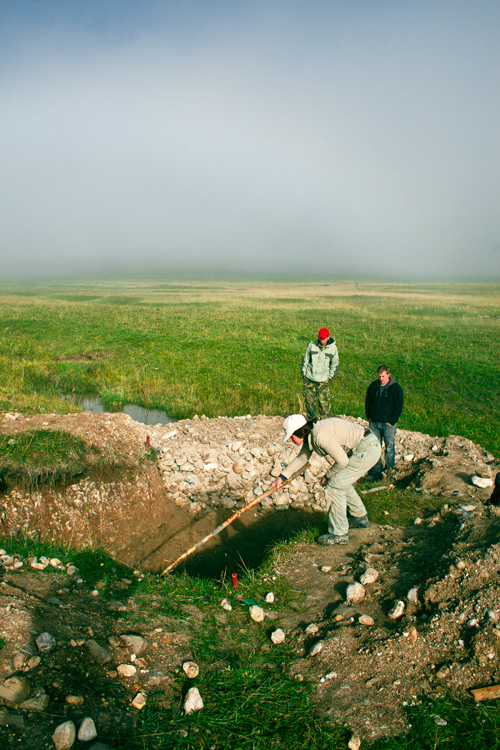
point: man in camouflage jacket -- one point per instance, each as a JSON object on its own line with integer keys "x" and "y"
{"x": 319, "y": 366}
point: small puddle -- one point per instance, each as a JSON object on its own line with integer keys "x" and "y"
{"x": 91, "y": 402}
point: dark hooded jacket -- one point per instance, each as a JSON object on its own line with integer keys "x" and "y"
{"x": 384, "y": 403}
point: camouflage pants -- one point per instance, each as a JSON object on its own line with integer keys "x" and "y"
{"x": 316, "y": 392}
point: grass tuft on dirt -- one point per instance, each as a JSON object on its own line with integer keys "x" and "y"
{"x": 43, "y": 457}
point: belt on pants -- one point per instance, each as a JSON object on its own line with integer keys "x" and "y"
{"x": 369, "y": 433}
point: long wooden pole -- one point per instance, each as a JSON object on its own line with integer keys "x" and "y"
{"x": 231, "y": 519}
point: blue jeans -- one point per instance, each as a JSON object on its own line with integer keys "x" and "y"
{"x": 340, "y": 495}
{"x": 387, "y": 432}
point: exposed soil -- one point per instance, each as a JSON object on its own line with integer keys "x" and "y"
{"x": 446, "y": 639}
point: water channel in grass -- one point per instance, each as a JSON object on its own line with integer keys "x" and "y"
{"x": 91, "y": 402}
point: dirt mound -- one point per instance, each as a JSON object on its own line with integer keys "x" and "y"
{"x": 146, "y": 513}
{"x": 445, "y": 574}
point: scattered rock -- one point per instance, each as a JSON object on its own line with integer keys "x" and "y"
{"x": 74, "y": 700}
{"x": 278, "y": 636}
{"x": 355, "y": 592}
{"x": 366, "y": 620}
{"x": 135, "y": 643}
{"x": 100, "y": 654}
{"x": 193, "y": 701}
{"x": 126, "y": 670}
{"x": 482, "y": 482}
{"x": 38, "y": 701}
{"x": 15, "y": 689}
{"x": 139, "y": 701}
{"x": 312, "y": 629}
{"x": 369, "y": 576}
{"x": 64, "y": 736}
{"x": 191, "y": 669}
{"x": 397, "y": 611}
{"x": 45, "y": 643}
{"x": 18, "y": 661}
{"x": 316, "y": 648}
{"x": 11, "y": 719}
{"x": 412, "y": 595}
{"x": 256, "y": 613}
{"x": 87, "y": 730}
{"x": 443, "y": 672}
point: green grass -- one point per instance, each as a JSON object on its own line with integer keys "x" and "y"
{"x": 236, "y": 348}
{"x": 42, "y": 456}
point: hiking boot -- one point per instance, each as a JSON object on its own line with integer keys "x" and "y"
{"x": 358, "y": 522}
{"x": 327, "y": 539}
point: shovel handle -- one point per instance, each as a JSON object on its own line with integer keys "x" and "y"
{"x": 231, "y": 519}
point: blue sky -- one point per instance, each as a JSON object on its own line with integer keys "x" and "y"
{"x": 355, "y": 139}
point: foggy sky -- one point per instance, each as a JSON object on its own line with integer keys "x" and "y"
{"x": 343, "y": 138}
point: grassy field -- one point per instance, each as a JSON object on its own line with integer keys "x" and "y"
{"x": 235, "y": 348}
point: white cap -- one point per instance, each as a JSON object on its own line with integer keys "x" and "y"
{"x": 292, "y": 423}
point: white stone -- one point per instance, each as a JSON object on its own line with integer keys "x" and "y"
{"x": 369, "y": 576}
{"x": 269, "y": 598}
{"x": 354, "y": 743}
{"x": 397, "y": 610}
{"x": 312, "y": 629}
{"x": 278, "y": 636}
{"x": 87, "y": 730}
{"x": 64, "y": 736}
{"x": 139, "y": 701}
{"x": 409, "y": 457}
{"x": 256, "y": 613}
{"x": 226, "y": 604}
{"x": 366, "y": 620}
{"x": 413, "y": 634}
{"x": 355, "y": 592}
{"x": 316, "y": 648}
{"x": 126, "y": 670}
{"x": 412, "y": 595}
{"x": 193, "y": 701}
{"x": 191, "y": 669}
{"x": 482, "y": 482}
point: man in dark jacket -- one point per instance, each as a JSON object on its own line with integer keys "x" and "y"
{"x": 383, "y": 407}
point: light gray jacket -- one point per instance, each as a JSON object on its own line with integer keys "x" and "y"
{"x": 328, "y": 437}
{"x": 320, "y": 363}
